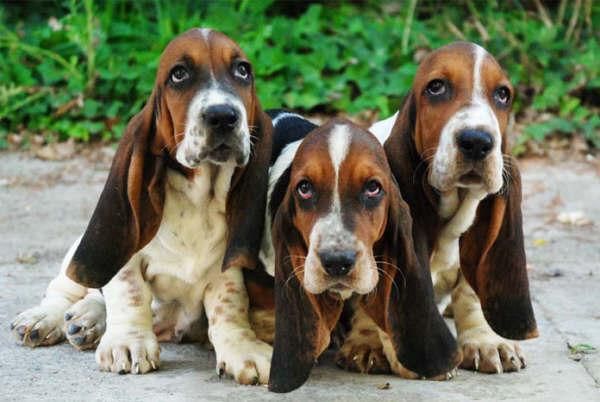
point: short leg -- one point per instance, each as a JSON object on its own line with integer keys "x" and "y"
{"x": 85, "y": 321}
{"x": 129, "y": 345}
{"x": 43, "y": 325}
{"x": 483, "y": 350}
{"x": 239, "y": 353}
{"x": 362, "y": 350}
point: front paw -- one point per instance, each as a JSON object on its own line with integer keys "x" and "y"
{"x": 363, "y": 357}
{"x": 85, "y": 322}
{"x": 489, "y": 353}
{"x": 39, "y": 326}
{"x": 247, "y": 360}
{"x": 128, "y": 350}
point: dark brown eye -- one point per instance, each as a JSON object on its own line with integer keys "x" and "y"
{"x": 242, "y": 71}
{"x": 305, "y": 190}
{"x": 179, "y": 74}
{"x": 502, "y": 95}
{"x": 436, "y": 88}
{"x": 372, "y": 189}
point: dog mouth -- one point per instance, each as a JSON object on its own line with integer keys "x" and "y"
{"x": 221, "y": 153}
{"x": 470, "y": 178}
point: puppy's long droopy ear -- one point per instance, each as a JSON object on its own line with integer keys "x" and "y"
{"x": 492, "y": 258}
{"x": 247, "y": 198}
{"x": 303, "y": 322}
{"x": 405, "y": 308}
{"x": 129, "y": 211}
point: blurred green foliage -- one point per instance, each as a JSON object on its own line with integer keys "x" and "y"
{"x": 81, "y": 69}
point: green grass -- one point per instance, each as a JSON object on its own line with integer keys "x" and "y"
{"x": 85, "y": 73}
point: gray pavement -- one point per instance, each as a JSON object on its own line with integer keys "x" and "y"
{"x": 45, "y": 205}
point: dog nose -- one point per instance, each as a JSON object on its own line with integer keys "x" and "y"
{"x": 475, "y": 144}
{"x": 338, "y": 263}
{"x": 220, "y": 116}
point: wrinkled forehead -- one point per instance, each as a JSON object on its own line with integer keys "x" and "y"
{"x": 200, "y": 47}
{"x": 457, "y": 62}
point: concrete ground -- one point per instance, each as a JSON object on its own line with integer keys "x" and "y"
{"x": 45, "y": 205}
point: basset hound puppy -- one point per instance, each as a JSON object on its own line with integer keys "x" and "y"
{"x": 340, "y": 228}
{"x": 447, "y": 149}
{"x": 184, "y": 201}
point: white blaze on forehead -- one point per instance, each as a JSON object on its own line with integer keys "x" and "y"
{"x": 205, "y": 32}
{"x": 339, "y": 142}
{"x": 479, "y": 54}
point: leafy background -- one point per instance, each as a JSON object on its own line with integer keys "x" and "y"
{"x": 81, "y": 69}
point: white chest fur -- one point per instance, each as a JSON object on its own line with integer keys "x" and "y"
{"x": 445, "y": 259}
{"x": 190, "y": 242}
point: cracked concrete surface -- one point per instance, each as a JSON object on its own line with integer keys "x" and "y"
{"x": 45, "y": 205}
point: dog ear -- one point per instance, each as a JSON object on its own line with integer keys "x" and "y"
{"x": 404, "y": 305}
{"x": 303, "y": 322}
{"x": 492, "y": 258}
{"x": 130, "y": 207}
{"x": 247, "y": 199}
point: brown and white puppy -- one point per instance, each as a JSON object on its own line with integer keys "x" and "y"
{"x": 340, "y": 228}
{"x": 185, "y": 197}
{"x": 447, "y": 148}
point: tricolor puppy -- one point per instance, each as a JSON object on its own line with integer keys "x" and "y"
{"x": 340, "y": 228}
{"x": 185, "y": 197}
{"x": 447, "y": 148}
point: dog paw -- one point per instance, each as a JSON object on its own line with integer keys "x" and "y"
{"x": 39, "y": 326}
{"x": 248, "y": 361}
{"x": 128, "y": 350}
{"x": 85, "y": 323}
{"x": 489, "y": 353}
{"x": 363, "y": 357}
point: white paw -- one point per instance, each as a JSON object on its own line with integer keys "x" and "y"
{"x": 85, "y": 322}
{"x": 128, "y": 350}
{"x": 489, "y": 353}
{"x": 39, "y": 326}
{"x": 247, "y": 360}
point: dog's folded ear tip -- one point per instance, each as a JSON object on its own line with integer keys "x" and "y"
{"x": 285, "y": 385}
{"x": 78, "y": 273}
{"x": 511, "y": 318}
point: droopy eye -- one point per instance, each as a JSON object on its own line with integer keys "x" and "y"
{"x": 436, "y": 87}
{"x": 242, "y": 70}
{"x": 305, "y": 190}
{"x": 179, "y": 74}
{"x": 372, "y": 189}
{"x": 502, "y": 95}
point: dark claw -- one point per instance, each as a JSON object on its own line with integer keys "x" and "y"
{"x": 21, "y": 331}
{"x": 12, "y": 326}
{"x": 221, "y": 372}
{"x": 68, "y": 316}
{"x": 122, "y": 371}
{"x": 73, "y": 329}
{"x": 80, "y": 340}
{"x": 34, "y": 335}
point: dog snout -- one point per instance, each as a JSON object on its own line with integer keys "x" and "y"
{"x": 475, "y": 144}
{"x": 221, "y": 117}
{"x": 338, "y": 263}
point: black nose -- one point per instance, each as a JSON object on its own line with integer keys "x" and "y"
{"x": 220, "y": 116}
{"x": 338, "y": 263}
{"x": 475, "y": 144}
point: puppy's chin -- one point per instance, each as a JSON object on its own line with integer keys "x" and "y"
{"x": 221, "y": 155}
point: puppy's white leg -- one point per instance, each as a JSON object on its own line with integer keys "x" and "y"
{"x": 43, "y": 324}
{"x": 129, "y": 344}
{"x": 85, "y": 321}
{"x": 362, "y": 350}
{"x": 239, "y": 352}
{"x": 483, "y": 350}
